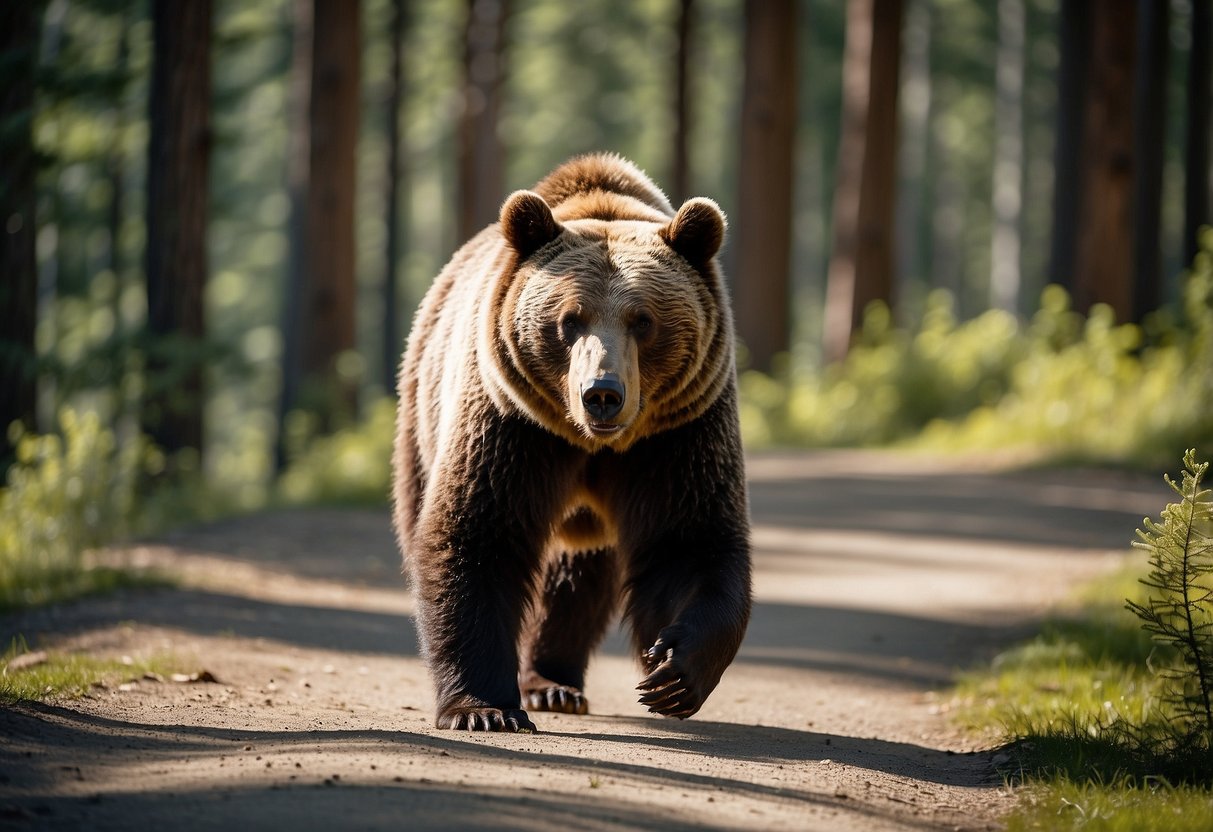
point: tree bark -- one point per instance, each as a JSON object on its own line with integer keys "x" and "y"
{"x": 861, "y": 261}
{"x": 328, "y": 244}
{"x": 481, "y": 157}
{"x": 392, "y": 345}
{"x": 177, "y": 205}
{"x": 681, "y": 178}
{"x": 1196, "y": 151}
{"x": 297, "y": 171}
{"x": 764, "y": 224}
{"x": 914, "y": 152}
{"x": 1005, "y": 275}
{"x": 1105, "y": 242}
{"x": 1075, "y": 44}
{"x": 1149, "y": 145}
{"x": 18, "y": 267}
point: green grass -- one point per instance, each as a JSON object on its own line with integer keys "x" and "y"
{"x": 71, "y": 675}
{"x": 1125, "y": 806}
{"x": 1084, "y": 717}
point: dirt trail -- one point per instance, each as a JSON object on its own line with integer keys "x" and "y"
{"x": 875, "y": 582}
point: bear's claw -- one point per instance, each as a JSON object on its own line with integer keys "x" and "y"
{"x": 486, "y": 719}
{"x": 560, "y": 699}
{"x": 668, "y": 689}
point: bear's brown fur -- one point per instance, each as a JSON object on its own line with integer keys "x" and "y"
{"x": 568, "y": 443}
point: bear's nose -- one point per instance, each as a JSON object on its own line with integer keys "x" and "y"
{"x": 603, "y": 397}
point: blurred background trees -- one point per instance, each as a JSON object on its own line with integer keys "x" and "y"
{"x": 18, "y": 268}
{"x": 177, "y": 208}
{"x": 766, "y": 177}
{"x": 218, "y": 216}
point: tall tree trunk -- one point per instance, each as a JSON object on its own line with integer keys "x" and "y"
{"x": 681, "y": 178}
{"x": 177, "y": 204}
{"x": 1074, "y": 38}
{"x": 1149, "y": 144}
{"x": 330, "y": 286}
{"x": 1196, "y": 151}
{"x": 481, "y": 157}
{"x": 764, "y": 224}
{"x": 391, "y": 313}
{"x": 1008, "y": 158}
{"x": 116, "y": 161}
{"x": 18, "y": 266}
{"x": 1105, "y": 242}
{"x": 861, "y": 261}
{"x": 913, "y": 154}
{"x": 295, "y": 283}
{"x": 116, "y": 216}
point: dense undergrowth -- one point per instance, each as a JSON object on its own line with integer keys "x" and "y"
{"x": 1061, "y": 386}
{"x": 68, "y": 493}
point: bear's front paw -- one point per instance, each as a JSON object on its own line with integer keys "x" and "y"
{"x": 671, "y": 688}
{"x": 486, "y": 719}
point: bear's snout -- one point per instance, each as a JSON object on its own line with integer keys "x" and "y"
{"x": 603, "y": 397}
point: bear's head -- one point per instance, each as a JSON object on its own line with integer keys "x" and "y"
{"x": 610, "y": 322}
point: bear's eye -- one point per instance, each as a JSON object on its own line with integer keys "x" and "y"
{"x": 642, "y": 324}
{"x": 570, "y": 326}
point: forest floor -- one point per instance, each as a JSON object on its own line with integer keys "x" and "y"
{"x": 876, "y": 580}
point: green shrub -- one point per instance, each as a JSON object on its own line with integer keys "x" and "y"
{"x": 66, "y": 494}
{"x": 891, "y": 384}
{"x": 1109, "y": 392}
{"x": 353, "y": 465}
{"x": 1061, "y": 385}
{"x": 80, "y": 489}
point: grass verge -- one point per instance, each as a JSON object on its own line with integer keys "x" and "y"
{"x": 1124, "y": 806}
{"x": 1079, "y": 706}
{"x": 39, "y": 676}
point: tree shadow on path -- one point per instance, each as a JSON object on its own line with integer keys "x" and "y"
{"x": 64, "y": 736}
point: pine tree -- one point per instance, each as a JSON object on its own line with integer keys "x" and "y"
{"x": 1179, "y": 610}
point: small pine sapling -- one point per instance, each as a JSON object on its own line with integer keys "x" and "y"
{"x": 1178, "y": 611}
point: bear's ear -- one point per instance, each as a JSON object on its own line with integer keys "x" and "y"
{"x": 697, "y": 231}
{"x": 527, "y": 222}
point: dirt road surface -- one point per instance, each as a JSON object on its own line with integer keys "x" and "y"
{"x": 877, "y": 579}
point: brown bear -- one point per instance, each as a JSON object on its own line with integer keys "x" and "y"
{"x": 568, "y": 445}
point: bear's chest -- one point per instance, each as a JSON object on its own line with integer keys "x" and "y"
{"x": 586, "y": 521}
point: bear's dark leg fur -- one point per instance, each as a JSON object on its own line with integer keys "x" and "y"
{"x": 474, "y": 558}
{"x": 570, "y": 616}
{"x": 687, "y": 586}
{"x": 685, "y": 634}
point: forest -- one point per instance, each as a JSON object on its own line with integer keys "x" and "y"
{"x": 972, "y": 235}
{"x": 981, "y": 223}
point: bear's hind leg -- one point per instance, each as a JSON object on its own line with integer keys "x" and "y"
{"x": 570, "y": 617}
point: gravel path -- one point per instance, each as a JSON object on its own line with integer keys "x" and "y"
{"x": 876, "y": 580}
